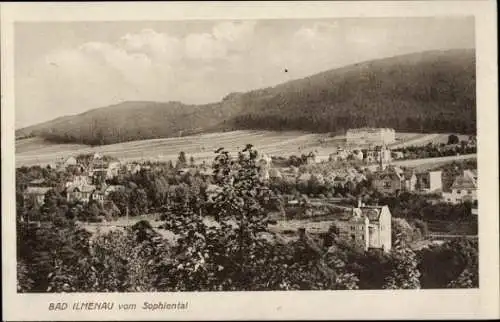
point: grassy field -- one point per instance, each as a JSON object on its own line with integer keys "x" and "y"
{"x": 35, "y": 151}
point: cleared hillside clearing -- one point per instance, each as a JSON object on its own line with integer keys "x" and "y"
{"x": 36, "y": 151}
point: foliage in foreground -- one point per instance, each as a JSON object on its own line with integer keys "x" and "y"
{"x": 224, "y": 245}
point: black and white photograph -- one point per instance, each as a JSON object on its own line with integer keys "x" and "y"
{"x": 241, "y": 155}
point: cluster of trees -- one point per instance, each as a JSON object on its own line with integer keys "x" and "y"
{"x": 436, "y": 150}
{"x": 293, "y": 160}
{"x": 451, "y": 171}
{"x": 234, "y": 250}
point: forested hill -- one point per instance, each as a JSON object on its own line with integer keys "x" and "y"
{"x": 422, "y": 92}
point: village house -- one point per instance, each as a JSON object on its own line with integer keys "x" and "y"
{"x": 70, "y": 161}
{"x": 98, "y": 175}
{"x": 380, "y": 154}
{"x": 69, "y": 164}
{"x": 358, "y": 155}
{"x": 369, "y": 226}
{"x": 35, "y": 196}
{"x": 133, "y": 167}
{"x": 79, "y": 180}
{"x": 98, "y": 195}
{"x": 394, "y": 180}
{"x": 113, "y": 170}
{"x": 464, "y": 188}
{"x": 81, "y": 193}
{"x": 430, "y": 182}
{"x": 311, "y": 158}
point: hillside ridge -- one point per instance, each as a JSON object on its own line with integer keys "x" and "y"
{"x": 431, "y": 91}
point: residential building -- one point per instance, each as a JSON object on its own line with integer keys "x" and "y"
{"x": 358, "y": 155}
{"x": 430, "y": 182}
{"x": 35, "y": 196}
{"x": 79, "y": 180}
{"x": 98, "y": 195}
{"x": 81, "y": 193}
{"x": 311, "y": 158}
{"x": 70, "y": 161}
{"x": 368, "y": 226}
{"x": 464, "y": 188}
{"x": 394, "y": 180}
{"x": 133, "y": 168}
{"x": 378, "y": 136}
{"x": 113, "y": 170}
{"x": 98, "y": 175}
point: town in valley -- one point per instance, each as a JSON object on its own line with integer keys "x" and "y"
{"x": 246, "y": 155}
{"x": 360, "y": 195}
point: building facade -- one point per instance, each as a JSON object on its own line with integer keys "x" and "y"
{"x": 35, "y": 196}
{"x": 430, "y": 182}
{"x": 393, "y": 180}
{"x": 367, "y": 226}
{"x": 464, "y": 188}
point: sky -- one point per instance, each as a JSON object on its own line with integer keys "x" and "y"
{"x": 68, "y": 68}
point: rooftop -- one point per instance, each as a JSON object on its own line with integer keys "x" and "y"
{"x": 37, "y": 190}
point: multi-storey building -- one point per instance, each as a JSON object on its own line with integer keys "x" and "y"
{"x": 368, "y": 226}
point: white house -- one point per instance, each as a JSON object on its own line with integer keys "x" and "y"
{"x": 369, "y": 226}
{"x": 464, "y": 188}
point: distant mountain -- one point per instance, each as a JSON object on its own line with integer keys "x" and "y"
{"x": 423, "y": 92}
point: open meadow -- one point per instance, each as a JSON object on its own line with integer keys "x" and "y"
{"x": 36, "y": 151}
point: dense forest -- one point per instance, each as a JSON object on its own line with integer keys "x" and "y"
{"x": 423, "y": 92}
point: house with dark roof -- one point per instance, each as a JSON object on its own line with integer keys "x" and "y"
{"x": 464, "y": 188}
{"x": 81, "y": 193}
{"x": 394, "y": 180}
{"x": 35, "y": 196}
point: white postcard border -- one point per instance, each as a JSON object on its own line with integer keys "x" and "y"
{"x": 424, "y": 304}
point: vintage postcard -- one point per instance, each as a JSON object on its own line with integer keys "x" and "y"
{"x": 260, "y": 160}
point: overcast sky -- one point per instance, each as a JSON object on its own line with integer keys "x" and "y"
{"x": 68, "y": 68}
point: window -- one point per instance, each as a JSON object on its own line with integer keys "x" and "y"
{"x": 459, "y": 191}
{"x": 469, "y": 192}
{"x": 387, "y": 184}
